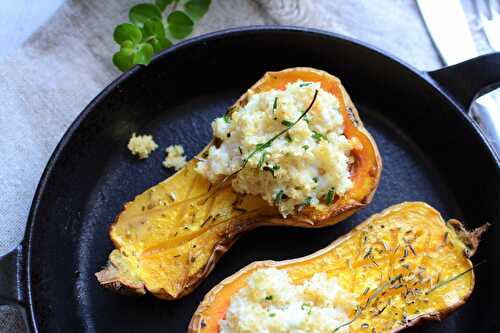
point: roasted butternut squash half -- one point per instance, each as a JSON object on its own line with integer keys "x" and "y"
{"x": 168, "y": 238}
{"x": 399, "y": 267}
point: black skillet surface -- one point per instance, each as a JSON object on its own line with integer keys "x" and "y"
{"x": 430, "y": 149}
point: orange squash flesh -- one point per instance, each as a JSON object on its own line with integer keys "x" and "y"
{"x": 410, "y": 239}
{"x": 169, "y": 238}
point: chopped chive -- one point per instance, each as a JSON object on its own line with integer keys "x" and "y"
{"x": 329, "y": 196}
{"x": 318, "y": 136}
{"x": 269, "y": 297}
{"x": 315, "y": 179}
{"x": 227, "y": 119}
{"x": 241, "y": 151}
{"x": 288, "y": 138}
{"x": 279, "y": 196}
{"x": 261, "y": 160}
{"x": 272, "y": 314}
{"x": 305, "y": 84}
{"x": 306, "y": 147}
{"x": 286, "y": 123}
{"x": 275, "y": 104}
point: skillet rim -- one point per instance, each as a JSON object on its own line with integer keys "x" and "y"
{"x": 24, "y": 285}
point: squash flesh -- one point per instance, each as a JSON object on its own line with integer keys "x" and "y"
{"x": 168, "y": 246}
{"x": 364, "y": 262}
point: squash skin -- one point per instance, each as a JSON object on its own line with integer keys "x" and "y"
{"x": 463, "y": 245}
{"x": 125, "y": 270}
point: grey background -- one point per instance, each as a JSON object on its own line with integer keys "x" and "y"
{"x": 49, "y": 79}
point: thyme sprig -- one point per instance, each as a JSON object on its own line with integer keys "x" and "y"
{"x": 453, "y": 278}
{"x": 261, "y": 146}
{"x": 379, "y": 290}
{"x": 359, "y": 310}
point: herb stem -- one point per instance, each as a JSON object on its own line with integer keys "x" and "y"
{"x": 453, "y": 278}
{"x": 270, "y": 141}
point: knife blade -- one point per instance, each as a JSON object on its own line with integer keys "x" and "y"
{"x": 449, "y": 30}
{"x": 448, "y": 27}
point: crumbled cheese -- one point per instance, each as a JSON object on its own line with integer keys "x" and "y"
{"x": 301, "y": 166}
{"x": 175, "y": 157}
{"x": 271, "y": 303}
{"x": 141, "y": 145}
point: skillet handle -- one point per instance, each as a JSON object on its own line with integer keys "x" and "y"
{"x": 469, "y": 80}
{"x": 9, "y": 291}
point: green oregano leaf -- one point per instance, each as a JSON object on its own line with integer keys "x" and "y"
{"x": 140, "y": 13}
{"x": 147, "y": 30}
{"x": 144, "y": 54}
{"x": 153, "y": 28}
{"x": 124, "y": 59}
{"x": 197, "y": 8}
{"x": 127, "y": 32}
{"x": 179, "y": 24}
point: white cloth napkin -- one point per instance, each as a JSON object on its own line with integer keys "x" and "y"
{"x": 50, "y": 79}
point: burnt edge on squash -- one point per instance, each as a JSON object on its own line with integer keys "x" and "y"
{"x": 110, "y": 277}
{"x": 470, "y": 239}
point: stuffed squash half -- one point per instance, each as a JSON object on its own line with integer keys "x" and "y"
{"x": 292, "y": 151}
{"x": 397, "y": 268}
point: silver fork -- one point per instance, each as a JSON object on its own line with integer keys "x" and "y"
{"x": 486, "y": 109}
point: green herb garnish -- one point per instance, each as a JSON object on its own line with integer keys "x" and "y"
{"x": 329, "y": 196}
{"x": 261, "y": 146}
{"x": 272, "y": 314}
{"x": 279, "y": 196}
{"x": 315, "y": 179}
{"x": 286, "y": 123}
{"x": 148, "y": 32}
{"x": 453, "y": 278}
{"x": 318, "y": 136}
{"x": 268, "y": 298}
{"x": 307, "y": 201}
{"x": 305, "y": 84}
{"x": 306, "y": 147}
{"x": 227, "y": 119}
{"x": 288, "y": 138}
{"x": 261, "y": 160}
{"x": 275, "y": 104}
{"x": 377, "y": 292}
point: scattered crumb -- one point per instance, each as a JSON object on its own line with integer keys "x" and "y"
{"x": 172, "y": 196}
{"x": 175, "y": 157}
{"x": 141, "y": 145}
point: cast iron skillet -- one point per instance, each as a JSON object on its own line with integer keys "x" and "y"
{"x": 431, "y": 150}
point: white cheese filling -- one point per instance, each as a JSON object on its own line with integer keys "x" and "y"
{"x": 271, "y": 303}
{"x": 308, "y": 162}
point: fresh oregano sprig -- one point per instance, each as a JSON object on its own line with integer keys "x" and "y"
{"x": 153, "y": 27}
